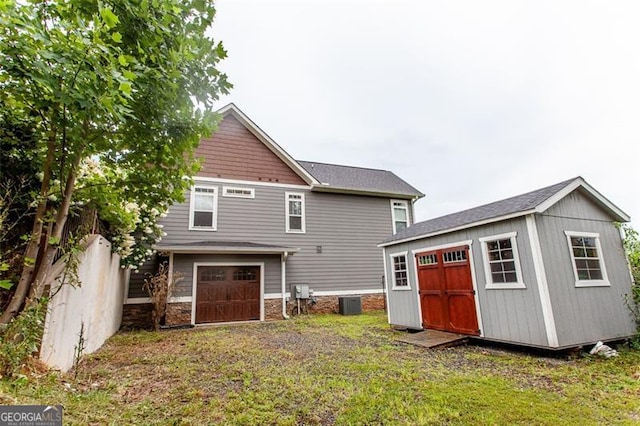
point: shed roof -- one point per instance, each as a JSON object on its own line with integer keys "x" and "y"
{"x": 536, "y": 201}
{"x": 337, "y": 178}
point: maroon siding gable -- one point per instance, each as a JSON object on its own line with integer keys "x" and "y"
{"x": 233, "y": 152}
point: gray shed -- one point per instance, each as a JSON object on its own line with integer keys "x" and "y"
{"x": 545, "y": 269}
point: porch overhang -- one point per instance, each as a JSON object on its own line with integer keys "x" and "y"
{"x": 225, "y": 247}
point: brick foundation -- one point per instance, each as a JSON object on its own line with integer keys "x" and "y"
{"x": 324, "y": 304}
{"x": 178, "y": 313}
{"x": 139, "y": 315}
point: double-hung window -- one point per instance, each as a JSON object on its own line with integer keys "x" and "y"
{"x": 586, "y": 258}
{"x": 399, "y": 215}
{"x": 294, "y": 212}
{"x": 203, "y": 211}
{"x": 501, "y": 261}
{"x": 400, "y": 275}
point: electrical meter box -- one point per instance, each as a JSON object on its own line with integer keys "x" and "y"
{"x": 299, "y": 291}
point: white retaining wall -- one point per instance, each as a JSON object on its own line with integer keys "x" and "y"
{"x": 97, "y": 303}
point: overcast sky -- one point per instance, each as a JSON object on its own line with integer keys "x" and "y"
{"x": 468, "y": 101}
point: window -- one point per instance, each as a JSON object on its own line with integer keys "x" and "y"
{"x": 427, "y": 259}
{"x": 400, "y": 215}
{"x": 454, "y": 256}
{"x": 203, "y": 208}
{"x": 295, "y": 212}
{"x": 400, "y": 277}
{"x": 230, "y": 191}
{"x": 501, "y": 262}
{"x": 588, "y": 266}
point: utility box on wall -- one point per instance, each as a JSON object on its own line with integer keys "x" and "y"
{"x": 350, "y": 305}
{"x": 299, "y": 291}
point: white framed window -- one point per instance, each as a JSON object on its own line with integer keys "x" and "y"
{"x": 400, "y": 274}
{"x": 295, "y": 212}
{"x": 586, "y": 259}
{"x": 238, "y": 192}
{"x": 203, "y": 208}
{"x": 399, "y": 215}
{"x": 502, "y": 262}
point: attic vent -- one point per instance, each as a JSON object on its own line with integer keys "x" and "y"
{"x": 232, "y": 191}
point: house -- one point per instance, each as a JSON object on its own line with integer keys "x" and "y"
{"x": 545, "y": 269}
{"x": 258, "y": 221}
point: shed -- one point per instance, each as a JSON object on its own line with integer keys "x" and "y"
{"x": 545, "y": 269}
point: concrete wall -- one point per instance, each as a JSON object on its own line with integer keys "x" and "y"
{"x": 97, "y": 303}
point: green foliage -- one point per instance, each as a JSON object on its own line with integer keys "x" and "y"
{"x": 307, "y": 371}
{"x": 631, "y": 243}
{"x": 21, "y": 340}
{"x": 128, "y": 84}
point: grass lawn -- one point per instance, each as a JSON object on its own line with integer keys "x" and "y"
{"x": 329, "y": 369}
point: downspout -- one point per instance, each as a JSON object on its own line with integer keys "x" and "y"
{"x": 283, "y": 270}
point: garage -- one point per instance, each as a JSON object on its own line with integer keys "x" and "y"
{"x": 227, "y": 293}
{"x": 446, "y": 290}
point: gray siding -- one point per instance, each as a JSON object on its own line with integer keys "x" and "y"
{"x": 512, "y": 315}
{"x": 183, "y": 264}
{"x": 347, "y": 227}
{"x": 584, "y": 315}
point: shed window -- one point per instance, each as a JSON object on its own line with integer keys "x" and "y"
{"x": 400, "y": 215}
{"x": 203, "y": 208}
{"x": 295, "y": 212}
{"x": 588, "y": 266}
{"x": 501, "y": 261}
{"x": 400, "y": 273}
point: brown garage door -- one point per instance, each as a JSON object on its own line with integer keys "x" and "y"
{"x": 446, "y": 291}
{"x": 227, "y": 293}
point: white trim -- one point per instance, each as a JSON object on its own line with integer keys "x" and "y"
{"x": 328, "y": 293}
{"x": 192, "y": 197}
{"x": 137, "y": 300}
{"x": 457, "y": 228}
{"x": 226, "y": 249}
{"x": 385, "y": 271}
{"x": 288, "y": 230}
{"x": 405, "y": 205}
{"x": 207, "y": 179}
{"x": 442, "y": 247}
{"x": 474, "y": 281}
{"x": 604, "y": 282}
{"x": 267, "y": 141}
{"x": 194, "y": 287}
{"x": 283, "y": 283}
{"x": 170, "y": 267}
{"x": 414, "y": 267}
{"x": 226, "y": 193}
{"x": 541, "y": 281}
{"x": 143, "y": 300}
{"x": 577, "y": 183}
{"x": 395, "y": 287}
{"x": 489, "y": 284}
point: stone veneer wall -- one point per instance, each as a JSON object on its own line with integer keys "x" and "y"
{"x": 139, "y": 315}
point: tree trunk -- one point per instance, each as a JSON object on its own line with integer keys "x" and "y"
{"x": 40, "y": 281}
{"x": 33, "y": 248}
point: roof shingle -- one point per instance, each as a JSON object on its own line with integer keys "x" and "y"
{"x": 508, "y": 206}
{"x": 359, "y": 179}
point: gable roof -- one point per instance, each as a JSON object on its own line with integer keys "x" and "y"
{"x": 536, "y": 201}
{"x": 232, "y": 109}
{"x": 331, "y": 177}
{"x": 337, "y": 178}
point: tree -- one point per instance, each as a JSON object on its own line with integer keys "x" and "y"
{"x": 127, "y": 83}
{"x": 631, "y": 244}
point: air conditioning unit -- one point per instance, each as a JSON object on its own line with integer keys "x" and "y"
{"x": 350, "y": 305}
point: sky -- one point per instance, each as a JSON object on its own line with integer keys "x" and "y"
{"x": 470, "y": 102}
